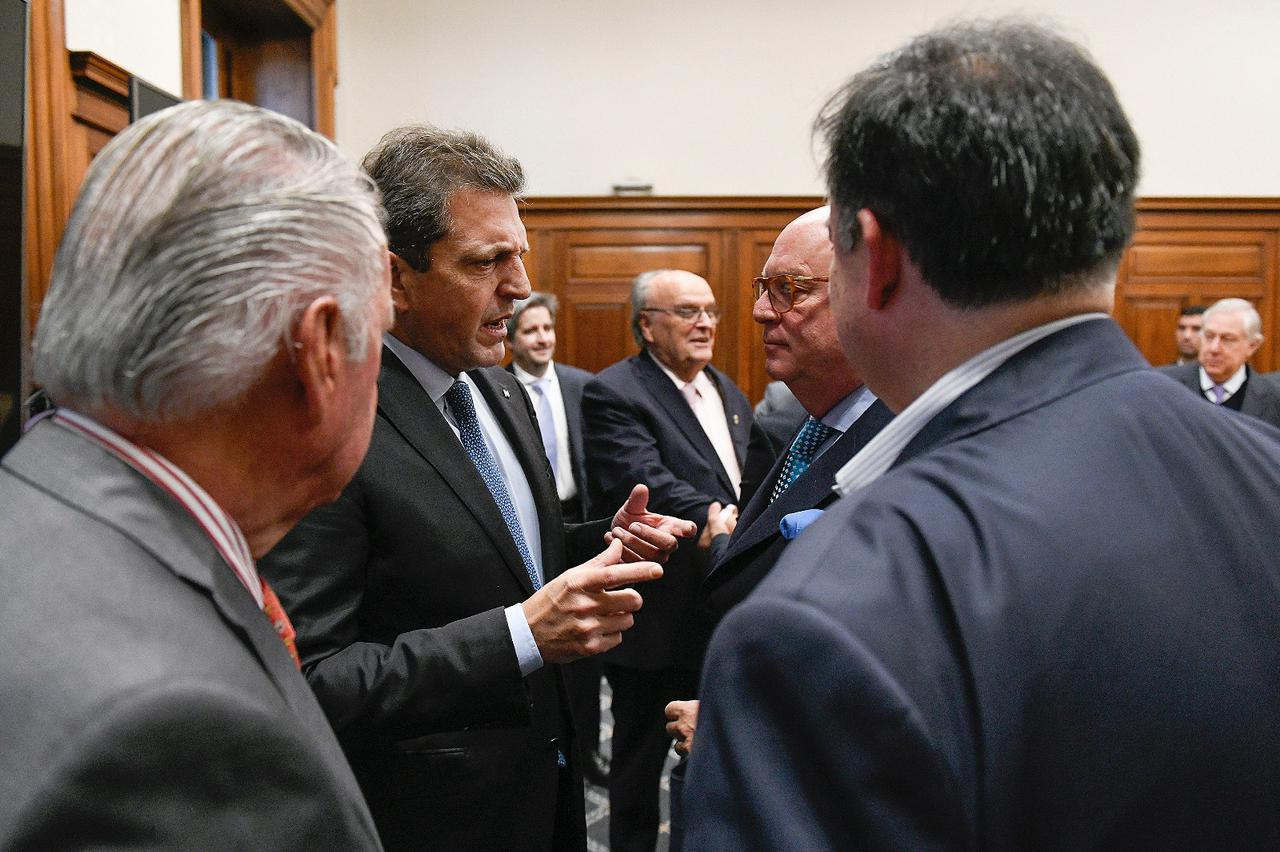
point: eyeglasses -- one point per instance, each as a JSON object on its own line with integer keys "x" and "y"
{"x": 689, "y": 313}
{"x": 784, "y": 290}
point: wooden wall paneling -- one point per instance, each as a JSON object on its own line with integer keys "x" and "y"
{"x": 50, "y": 186}
{"x": 1194, "y": 252}
{"x": 324, "y": 69}
{"x": 189, "y": 34}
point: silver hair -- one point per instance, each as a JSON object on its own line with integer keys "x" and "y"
{"x": 640, "y": 300}
{"x": 537, "y": 299}
{"x": 1252, "y": 322}
{"x": 199, "y": 236}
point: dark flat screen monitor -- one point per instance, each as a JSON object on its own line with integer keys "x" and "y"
{"x": 13, "y": 309}
{"x": 145, "y": 98}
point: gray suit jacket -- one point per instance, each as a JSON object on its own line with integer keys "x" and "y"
{"x": 1261, "y": 391}
{"x": 145, "y": 700}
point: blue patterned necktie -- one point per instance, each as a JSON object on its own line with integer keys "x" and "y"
{"x": 546, "y": 424}
{"x": 800, "y": 456}
{"x": 464, "y": 413}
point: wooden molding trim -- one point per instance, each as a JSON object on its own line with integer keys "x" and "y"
{"x": 189, "y": 35}
{"x": 50, "y": 190}
{"x": 312, "y": 12}
{"x": 693, "y": 203}
{"x": 324, "y": 70}
{"x": 1208, "y": 204}
{"x": 91, "y": 69}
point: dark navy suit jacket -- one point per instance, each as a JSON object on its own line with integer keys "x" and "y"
{"x": 742, "y": 561}
{"x": 1261, "y": 390}
{"x": 1052, "y": 625}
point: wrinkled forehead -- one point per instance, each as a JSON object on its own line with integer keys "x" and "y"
{"x": 681, "y": 288}
{"x": 1225, "y": 322}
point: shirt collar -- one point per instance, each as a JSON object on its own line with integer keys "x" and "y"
{"x": 435, "y": 381}
{"x": 847, "y": 411}
{"x": 700, "y": 382}
{"x": 1231, "y": 385}
{"x": 527, "y": 378}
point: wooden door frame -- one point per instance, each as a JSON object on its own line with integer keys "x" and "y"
{"x": 319, "y": 15}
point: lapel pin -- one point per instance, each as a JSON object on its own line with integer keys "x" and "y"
{"x": 506, "y": 394}
{"x": 735, "y": 420}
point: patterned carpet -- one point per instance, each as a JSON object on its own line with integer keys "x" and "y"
{"x": 598, "y": 797}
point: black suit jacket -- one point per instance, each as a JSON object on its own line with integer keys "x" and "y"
{"x": 640, "y": 428}
{"x": 1261, "y": 392}
{"x": 572, "y": 381}
{"x": 743, "y": 559}
{"x": 1030, "y": 633}
{"x": 397, "y": 592}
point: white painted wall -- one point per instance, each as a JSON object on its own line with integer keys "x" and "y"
{"x": 141, "y": 36}
{"x": 717, "y": 96}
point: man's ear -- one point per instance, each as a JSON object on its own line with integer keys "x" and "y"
{"x": 884, "y": 261}
{"x": 401, "y": 272}
{"x": 319, "y": 353}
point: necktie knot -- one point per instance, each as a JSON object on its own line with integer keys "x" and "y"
{"x": 800, "y": 456}
{"x": 1219, "y": 393}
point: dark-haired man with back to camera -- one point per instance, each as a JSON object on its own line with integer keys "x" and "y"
{"x": 1018, "y": 628}
{"x": 432, "y": 601}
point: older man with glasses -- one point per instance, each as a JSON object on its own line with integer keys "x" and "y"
{"x": 668, "y": 418}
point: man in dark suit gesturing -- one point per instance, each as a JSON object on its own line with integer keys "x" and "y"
{"x": 667, "y": 417}
{"x": 1018, "y": 628}
{"x": 214, "y": 313}
{"x": 801, "y": 349}
{"x": 431, "y": 600}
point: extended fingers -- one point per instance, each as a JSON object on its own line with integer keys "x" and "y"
{"x": 644, "y": 542}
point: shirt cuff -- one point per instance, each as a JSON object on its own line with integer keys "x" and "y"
{"x": 527, "y": 654}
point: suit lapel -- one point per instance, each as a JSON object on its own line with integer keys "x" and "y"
{"x": 672, "y": 401}
{"x": 812, "y": 490}
{"x": 409, "y": 409}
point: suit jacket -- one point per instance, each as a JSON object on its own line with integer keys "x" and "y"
{"x": 145, "y": 699}
{"x": 742, "y": 561}
{"x": 640, "y": 428}
{"x": 1052, "y": 625}
{"x": 397, "y": 592}
{"x": 572, "y": 381}
{"x": 1261, "y": 392}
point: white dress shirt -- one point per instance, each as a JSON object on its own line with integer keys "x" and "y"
{"x": 566, "y": 488}
{"x": 436, "y": 382}
{"x": 1231, "y": 385}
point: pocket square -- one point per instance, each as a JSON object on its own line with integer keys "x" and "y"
{"x": 792, "y": 525}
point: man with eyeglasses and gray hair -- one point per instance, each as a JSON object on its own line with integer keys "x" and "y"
{"x": 671, "y": 420}
{"x": 211, "y": 337}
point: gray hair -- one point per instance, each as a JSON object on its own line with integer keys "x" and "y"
{"x": 537, "y": 299}
{"x": 418, "y": 169}
{"x": 1252, "y": 322}
{"x": 199, "y": 236}
{"x": 640, "y": 300}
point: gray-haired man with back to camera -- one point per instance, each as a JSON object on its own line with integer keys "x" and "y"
{"x": 211, "y": 334}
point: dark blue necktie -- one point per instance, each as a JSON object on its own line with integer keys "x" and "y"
{"x": 800, "y": 456}
{"x": 464, "y": 414}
